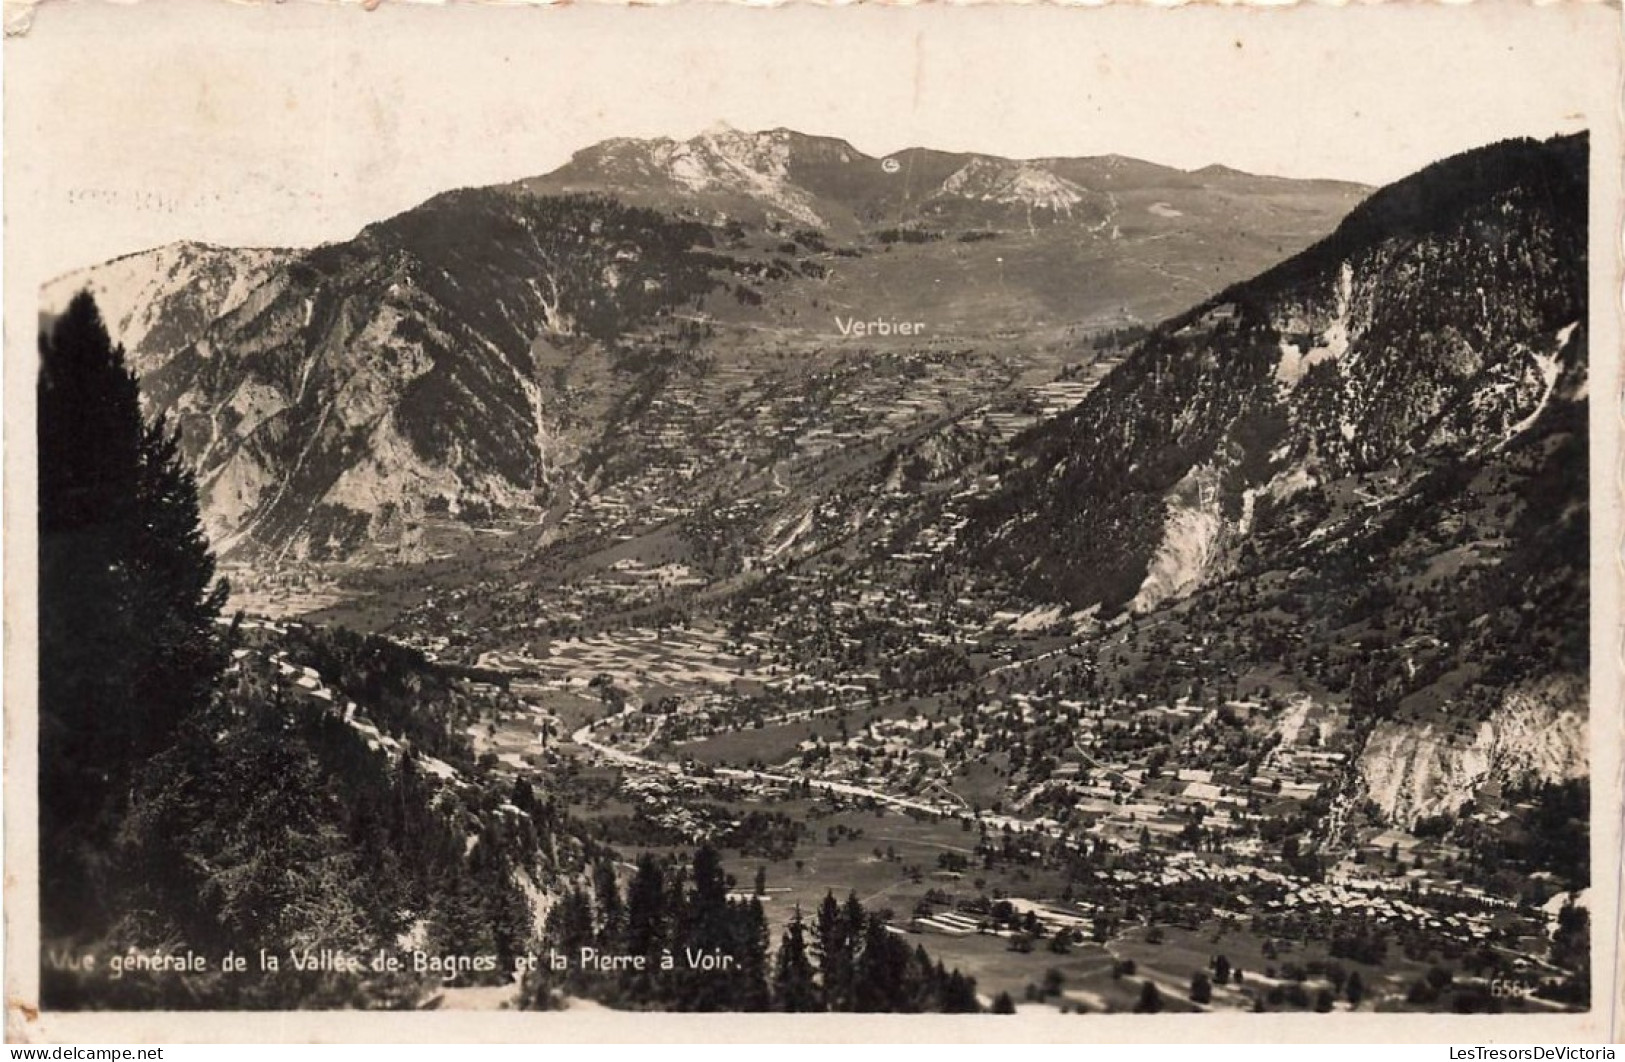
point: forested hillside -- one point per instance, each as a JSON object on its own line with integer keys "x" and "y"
{"x": 1435, "y": 324}
{"x": 306, "y": 802}
{"x": 201, "y": 793}
{"x": 469, "y": 354}
{"x": 1368, "y": 470}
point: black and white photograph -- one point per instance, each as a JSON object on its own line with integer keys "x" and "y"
{"x": 1071, "y": 519}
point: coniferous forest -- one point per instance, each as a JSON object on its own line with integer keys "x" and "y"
{"x": 190, "y": 804}
{"x": 673, "y": 920}
{"x": 621, "y": 618}
{"x": 197, "y": 804}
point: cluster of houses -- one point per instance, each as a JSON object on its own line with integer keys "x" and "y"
{"x": 1114, "y": 796}
{"x": 903, "y": 756}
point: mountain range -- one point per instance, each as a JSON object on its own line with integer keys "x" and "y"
{"x": 471, "y": 352}
{"x": 1146, "y": 559}
{"x": 1336, "y": 441}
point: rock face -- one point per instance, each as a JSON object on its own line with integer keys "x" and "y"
{"x": 1437, "y": 324}
{"x": 1194, "y": 533}
{"x": 1363, "y": 464}
{"x": 157, "y": 303}
{"x": 464, "y": 355}
{"x": 1537, "y": 733}
{"x": 1378, "y": 448}
{"x": 325, "y": 393}
{"x": 829, "y": 184}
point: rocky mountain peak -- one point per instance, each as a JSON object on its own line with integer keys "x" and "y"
{"x": 1029, "y": 184}
{"x": 451, "y": 353}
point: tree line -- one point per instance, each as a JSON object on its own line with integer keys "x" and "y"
{"x": 670, "y": 916}
{"x": 193, "y": 802}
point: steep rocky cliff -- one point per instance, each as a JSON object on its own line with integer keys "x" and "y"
{"x": 1433, "y": 326}
{"x": 1371, "y": 463}
{"x": 1533, "y": 733}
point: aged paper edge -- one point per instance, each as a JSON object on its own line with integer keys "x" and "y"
{"x": 1602, "y": 1023}
{"x": 18, "y": 17}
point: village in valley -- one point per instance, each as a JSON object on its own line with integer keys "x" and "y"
{"x": 1065, "y": 876}
{"x": 1110, "y": 666}
{"x": 1006, "y": 540}
{"x": 1052, "y": 801}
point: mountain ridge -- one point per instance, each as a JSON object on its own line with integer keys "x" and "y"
{"x": 1277, "y": 327}
{"x": 866, "y": 188}
{"x": 332, "y": 396}
{"x": 1365, "y": 467}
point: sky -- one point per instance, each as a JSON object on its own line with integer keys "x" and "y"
{"x": 129, "y": 126}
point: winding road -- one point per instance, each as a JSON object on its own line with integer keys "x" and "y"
{"x": 584, "y": 738}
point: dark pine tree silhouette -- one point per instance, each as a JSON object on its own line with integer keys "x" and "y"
{"x": 611, "y": 911}
{"x": 710, "y": 928}
{"x": 834, "y": 943}
{"x": 794, "y": 989}
{"x": 881, "y": 981}
{"x": 1354, "y": 989}
{"x": 647, "y": 924}
{"x": 127, "y": 604}
{"x": 751, "y": 989}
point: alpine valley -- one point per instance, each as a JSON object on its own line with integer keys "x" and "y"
{"x": 1140, "y": 589}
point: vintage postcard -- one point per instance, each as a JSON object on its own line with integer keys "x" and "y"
{"x": 1066, "y": 524}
